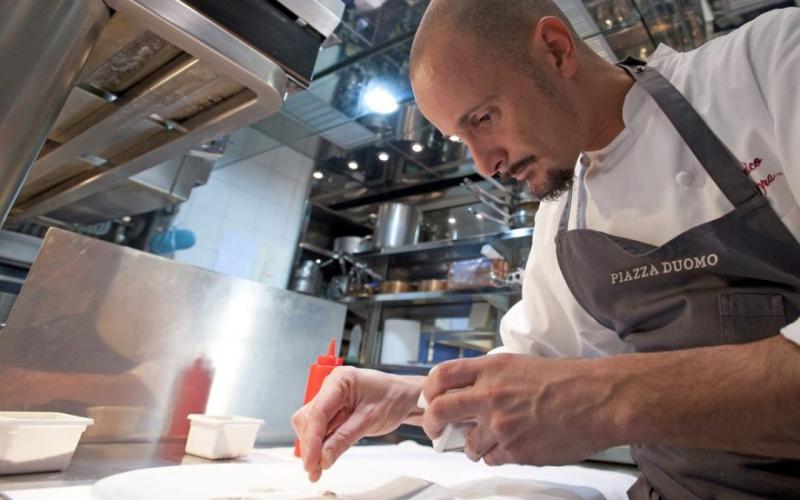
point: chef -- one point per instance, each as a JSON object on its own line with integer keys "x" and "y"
{"x": 662, "y": 293}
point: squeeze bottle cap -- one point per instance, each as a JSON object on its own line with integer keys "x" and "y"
{"x": 330, "y": 359}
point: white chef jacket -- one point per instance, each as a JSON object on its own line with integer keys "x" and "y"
{"x": 647, "y": 185}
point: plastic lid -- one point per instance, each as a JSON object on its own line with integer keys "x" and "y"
{"x": 330, "y": 359}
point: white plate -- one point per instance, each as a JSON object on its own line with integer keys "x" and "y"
{"x": 275, "y": 481}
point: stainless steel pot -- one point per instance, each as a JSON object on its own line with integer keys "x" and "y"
{"x": 523, "y": 214}
{"x": 307, "y": 278}
{"x": 397, "y": 225}
{"x": 348, "y": 244}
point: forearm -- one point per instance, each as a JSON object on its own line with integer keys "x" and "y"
{"x": 740, "y": 398}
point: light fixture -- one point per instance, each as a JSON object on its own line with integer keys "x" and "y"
{"x": 383, "y": 156}
{"x": 378, "y": 99}
{"x": 451, "y": 220}
{"x": 352, "y": 165}
{"x": 479, "y": 216}
{"x": 318, "y": 175}
{"x": 455, "y": 138}
{"x": 318, "y": 261}
{"x": 417, "y": 147}
{"x": 127, "y": 218}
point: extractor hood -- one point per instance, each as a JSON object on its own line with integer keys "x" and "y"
{"x": 163, "y": 77}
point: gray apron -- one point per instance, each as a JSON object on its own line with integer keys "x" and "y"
{"x": 735, "y": 279}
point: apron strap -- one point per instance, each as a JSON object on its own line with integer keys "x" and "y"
{"x": 715, "y": 157}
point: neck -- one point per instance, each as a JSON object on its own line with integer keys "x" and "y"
{"x": 605, "y": 91}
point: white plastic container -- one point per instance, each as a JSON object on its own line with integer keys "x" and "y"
{"x": 217, "y": 436}
{"x": 38, "y": 441}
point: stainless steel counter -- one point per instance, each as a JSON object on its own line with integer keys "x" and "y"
{"x": 93, "y": 462}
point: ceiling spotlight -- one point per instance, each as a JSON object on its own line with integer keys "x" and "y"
{"x": 318, "y": 261}
{"x": 379, "y": 100}
{"x": 383, "y": 156}
{"x": 417, "y": 147}
{"x": 451, "y": 220}
{"x": 318, "y": 175}
{"x": 455, "y": 138}
{"x": 127, "y": 218}
{"x": 352, "y": 165}
{"x": 479, "y": 216}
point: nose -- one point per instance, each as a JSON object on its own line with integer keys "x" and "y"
{"x": 489, "y": 160}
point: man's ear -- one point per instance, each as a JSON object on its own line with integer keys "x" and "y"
{"x": 552, "y": 43}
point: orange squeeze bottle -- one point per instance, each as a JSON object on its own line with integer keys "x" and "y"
{"x": 316, "y": 375}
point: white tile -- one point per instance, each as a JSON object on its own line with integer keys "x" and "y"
{"x": 266, "y": 159}
{"x": 237, "y": 254}
{"x": 287, "y": 161}
{"x": 243, "y": 207}
{"x": 206, "y": 226}
{"x": 197, "y": 256}
{"x": 213, "y": 197}
{"x": 299, "y": 197}
{"x": 292, "y": 228}
{"x": 271, "y": 220}
{"x": 280, "y": 191}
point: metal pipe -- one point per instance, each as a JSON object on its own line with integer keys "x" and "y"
{"x": 45, "y": 43}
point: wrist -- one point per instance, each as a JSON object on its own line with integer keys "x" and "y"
{"x": 619, "y": 417}
{"x": 412, "y": 387}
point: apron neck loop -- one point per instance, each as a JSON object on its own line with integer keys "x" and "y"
{"x": 724, "y": 168}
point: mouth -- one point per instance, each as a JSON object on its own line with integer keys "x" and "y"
{"x": 521, "y": 170}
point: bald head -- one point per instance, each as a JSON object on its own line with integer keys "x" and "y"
{"x": 501, "y": 28}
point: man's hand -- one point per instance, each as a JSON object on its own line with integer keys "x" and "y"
{"x": 352, "y": 403}
{"x": 527, "y": 410}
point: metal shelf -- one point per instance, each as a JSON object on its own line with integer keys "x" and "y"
{"x": 450, "y": 250}
{"x": 446, "y": 296}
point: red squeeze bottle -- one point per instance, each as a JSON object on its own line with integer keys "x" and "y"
{"x": 316, "y": 374}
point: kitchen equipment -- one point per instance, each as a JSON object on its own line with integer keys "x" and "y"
{"x": 396, "y": 286}
{"x": 38, "y": 441}
{"x": 307, "y": 278}
{"x": 400, "y": 343}
{"x": 397, "y": 225}
{"x": 121, "y": 86}
{"x": 432, "y": 285}
{"x": 523, "y": 214}
{"x": 348, "y": 244}
{"x": 221, "y": 436}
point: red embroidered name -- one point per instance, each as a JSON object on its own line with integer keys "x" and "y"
{"x": 750, "y": 167}
{"x": 764, "y": 183}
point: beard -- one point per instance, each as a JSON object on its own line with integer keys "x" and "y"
{"x": 559, "y": 181}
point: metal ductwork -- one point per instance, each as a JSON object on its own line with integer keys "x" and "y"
{"x": 105, "y": 91}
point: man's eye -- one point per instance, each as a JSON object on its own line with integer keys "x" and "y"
{"x": 485, "y": 118}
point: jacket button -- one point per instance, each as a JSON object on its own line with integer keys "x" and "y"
{"x": 684, "y": 178}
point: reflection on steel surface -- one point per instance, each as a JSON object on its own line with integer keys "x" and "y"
{"x": 114, "y": 333}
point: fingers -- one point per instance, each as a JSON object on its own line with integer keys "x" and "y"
{"x": 458, "y": 406}
{"x": 454, "y": 374}
{"x": 497, "y": 456}
{"x": 343, "y": 438}
{"x": 479, "y": 442}
{"x": 314, "y": 425}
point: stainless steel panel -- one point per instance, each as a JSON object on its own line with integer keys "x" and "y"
{"x": 322, "y": 15}
{"x": 18, "y": 249}
{"x": 105, "y": 330}
{"x": 39, "y": 71}
{"x": 251, "y": 87}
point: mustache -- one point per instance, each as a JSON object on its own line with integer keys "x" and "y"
{"x": 519, "y": 166}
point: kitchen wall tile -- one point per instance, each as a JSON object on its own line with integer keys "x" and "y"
{"x": 207, "y": 227}
{"x": 243, "y": 207}
{"x": 213, "y": 197}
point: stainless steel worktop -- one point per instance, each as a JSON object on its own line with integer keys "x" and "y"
{"x": 93, "y": 462}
